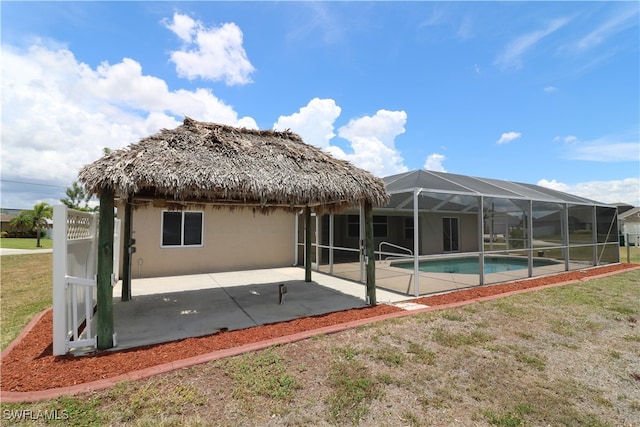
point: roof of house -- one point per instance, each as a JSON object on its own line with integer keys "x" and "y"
{"x": 209, "y": 162}
{"x": 466, "y": 186}
{"x": 632, "y": 215}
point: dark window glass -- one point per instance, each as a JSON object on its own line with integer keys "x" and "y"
{"x": 450, "y": 234}
{"x": 182, "y": 228}
{"x": 171, "y": 228}
{"x": 379, "y": 226}
{"x": 353, "y": 226}
{"x": 408, "y": 228}
{"x": 192, "y": 228}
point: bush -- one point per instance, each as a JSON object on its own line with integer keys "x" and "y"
{"x": 3, "y": 234}
{"x": 20, "y": 234}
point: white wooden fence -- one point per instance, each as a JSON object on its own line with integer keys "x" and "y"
{"x": 75, "y": 264}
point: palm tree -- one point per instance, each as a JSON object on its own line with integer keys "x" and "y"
{"x": 23, "y": 221}
{"x": 41, "y": 212}
{"x": 35, "y": 219}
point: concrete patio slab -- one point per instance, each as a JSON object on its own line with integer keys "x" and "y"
{"x": 171, "y": 308}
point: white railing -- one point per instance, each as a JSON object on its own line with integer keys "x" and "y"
{"x": 75, "y": 242}
{"x": 395, "y": 254}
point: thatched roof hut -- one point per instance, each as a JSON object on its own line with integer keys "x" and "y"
{"x": 208, "y": 163}
{"x": 213, "y": 163}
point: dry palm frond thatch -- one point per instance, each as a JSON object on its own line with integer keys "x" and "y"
{"x": 208, "y": 162}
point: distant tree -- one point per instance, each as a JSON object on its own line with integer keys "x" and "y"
{"x": 41, "y": 212}
{"x": 77, "y": 198}
{"x": 35, "y": 219}
{"x": 23, "y": 221}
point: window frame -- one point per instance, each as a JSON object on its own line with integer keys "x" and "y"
{"x": 182, "y": 229}
{"x": 378, "y": 222}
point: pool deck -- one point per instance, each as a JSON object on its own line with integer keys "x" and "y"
{"x": 401, "y": 280}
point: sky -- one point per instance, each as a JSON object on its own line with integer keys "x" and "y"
{"x": 545, "y": 93}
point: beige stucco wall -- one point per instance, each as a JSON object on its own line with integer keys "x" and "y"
{"x": 431, "y": 229}
{"x": 430, "y": 226}
{"x": 233, "y": 240}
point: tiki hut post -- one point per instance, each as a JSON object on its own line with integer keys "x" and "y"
{"x": 370, "y": 256}
{"x": 307, "y": 244}
{"x": 105, "y": 271}
{"x": 126, "y": 255}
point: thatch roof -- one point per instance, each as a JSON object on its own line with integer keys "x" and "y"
{"x": 208, "y": 162}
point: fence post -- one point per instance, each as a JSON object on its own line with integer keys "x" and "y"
{"x": 105, "y": 272}
{"x": 59, "y": 275}
{"x": 370, "y": 255}
{"x": 307, "y": 244}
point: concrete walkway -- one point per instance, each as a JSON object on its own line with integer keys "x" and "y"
{"x": 9, "y": 251}
{"x": 170, "y": 308}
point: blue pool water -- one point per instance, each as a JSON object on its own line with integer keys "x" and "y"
{"x": 471, "y": 265}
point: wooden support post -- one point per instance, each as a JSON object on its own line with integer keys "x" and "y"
{"x": 370, "y": 256}
{"x": 105, "y": 272}
{"x": 127, "y": 253}
{"x": 307, "y": 244}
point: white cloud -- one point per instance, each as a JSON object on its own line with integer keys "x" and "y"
{"x": 314, "y": 122}
{"x": 507, "y": 137}
{"x": 210, "y": 53}
{"x": 550, "y": 89}
{"x": 623, "y": 19}
{"x": 621, "y": 147}
{"x": 569, "y": 139}
{"x": 58, "y": 113}
{"x": 620, "y": 152}
{"x": 183, "y": 26}
{"x": 511, "y": 57}
{"x": 624, "y": 190}
{"x": 372, "y": 138}
{"x": 434, "y": 162}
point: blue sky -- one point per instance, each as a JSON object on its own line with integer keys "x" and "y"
{"x": 543, "y": 92}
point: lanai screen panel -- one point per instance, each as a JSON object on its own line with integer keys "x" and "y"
{"x": 482, "y": 187}
{"x": 548, "y": 230}
{"x": 607, "y": 235}
{"x": 422, "y": 179}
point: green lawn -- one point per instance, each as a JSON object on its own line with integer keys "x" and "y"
{"x": 16, "y": 243}
{"x": 26, "y": 290}
{"x": 634, "y": 253}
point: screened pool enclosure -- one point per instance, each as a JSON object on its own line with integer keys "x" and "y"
{"x": 444, "y": 231}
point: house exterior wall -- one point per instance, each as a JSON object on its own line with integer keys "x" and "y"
{"x": 432, "y": 232}
{"x": 395, "y": 233}
{"x": 236, "y": 239}
{"x": 430, "y": 228}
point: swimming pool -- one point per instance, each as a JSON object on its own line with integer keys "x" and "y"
{"x": 471, "y": 265}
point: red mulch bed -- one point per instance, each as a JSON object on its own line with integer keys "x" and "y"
{"x": 30, "y": 365}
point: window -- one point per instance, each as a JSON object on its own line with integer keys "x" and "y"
{"x": 353, "y": 226}
{"x": 181, "y": 228}
{"x": 450, "y": 234}
{"x": 408, "y": 228}
{"x": 379, "y": 226}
